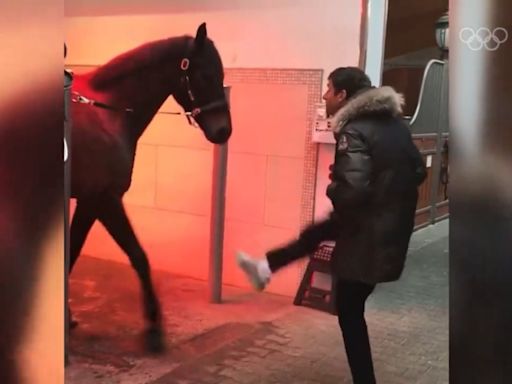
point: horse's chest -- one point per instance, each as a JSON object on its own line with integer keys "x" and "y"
{"x": 101, "y": 155}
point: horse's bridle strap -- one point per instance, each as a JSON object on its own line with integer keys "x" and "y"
{"x": 185, "y": 79}
{"x": 78, "y": 98}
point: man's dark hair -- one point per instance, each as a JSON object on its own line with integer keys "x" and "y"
{"x": 351, "y": 79}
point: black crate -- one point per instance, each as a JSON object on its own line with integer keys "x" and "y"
{"x": 314, "y": 297}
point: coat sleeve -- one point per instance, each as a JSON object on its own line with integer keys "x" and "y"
{"x": 350, "y": 187}
{"x": 420, "y": 169}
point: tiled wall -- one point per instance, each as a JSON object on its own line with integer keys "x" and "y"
{"x": 270, "y": 183}
{"x": 273, "y": 117}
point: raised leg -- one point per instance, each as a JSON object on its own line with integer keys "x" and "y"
{"x": 113, "y": 216}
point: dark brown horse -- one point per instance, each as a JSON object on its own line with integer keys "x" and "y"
{"x": 112, "y": 107}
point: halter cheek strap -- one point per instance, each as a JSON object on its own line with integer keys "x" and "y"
{"x": 184, "y": 66}
{"x": 185, "y": 80}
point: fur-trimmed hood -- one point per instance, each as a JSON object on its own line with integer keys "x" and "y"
{"x": 373, "y": 100}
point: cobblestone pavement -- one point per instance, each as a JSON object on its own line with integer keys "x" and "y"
{"x": 273, "y": 342}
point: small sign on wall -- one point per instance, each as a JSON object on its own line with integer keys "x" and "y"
{"x": 322, "y": 126}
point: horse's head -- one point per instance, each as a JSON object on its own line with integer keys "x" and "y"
{"x": 201, "y": 89}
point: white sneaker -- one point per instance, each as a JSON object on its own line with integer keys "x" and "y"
{"x": 258, "y": 271}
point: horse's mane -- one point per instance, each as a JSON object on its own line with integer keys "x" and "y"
{"x": 144, "y": 56}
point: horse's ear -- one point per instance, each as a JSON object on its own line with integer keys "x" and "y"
{"x": 201, "y": 35}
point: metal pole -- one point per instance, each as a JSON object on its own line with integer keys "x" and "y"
{"x": 220, "y": 170}
{"x": 220, "y": 160}
{"x": 68, "y": 79}
{"x": 377, "y": 11}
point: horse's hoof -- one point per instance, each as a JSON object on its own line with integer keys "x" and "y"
{"x": 154, "y": 340}
{"x": 73, "y": 324}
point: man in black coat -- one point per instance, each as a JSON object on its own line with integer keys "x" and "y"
{"x": 374, "y": 191}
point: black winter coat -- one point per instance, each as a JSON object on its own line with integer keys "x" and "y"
{"x": 374, "y": 188}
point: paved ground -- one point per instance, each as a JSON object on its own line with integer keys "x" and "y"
{"x": 270, "y": 341}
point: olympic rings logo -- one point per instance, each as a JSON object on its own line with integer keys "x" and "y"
{"x": 483, "y": 38}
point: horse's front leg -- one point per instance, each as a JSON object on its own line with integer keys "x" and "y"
{"x": 113, "y": 216}
{"x": 84, "y": 217}
{"x": 81, "y": 224}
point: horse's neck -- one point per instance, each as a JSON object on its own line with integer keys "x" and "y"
{"x": 145, "y": 91}
{"x": 144, "y": 94}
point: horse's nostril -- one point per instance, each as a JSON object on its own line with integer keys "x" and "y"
{"x": 225, "y": 134}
